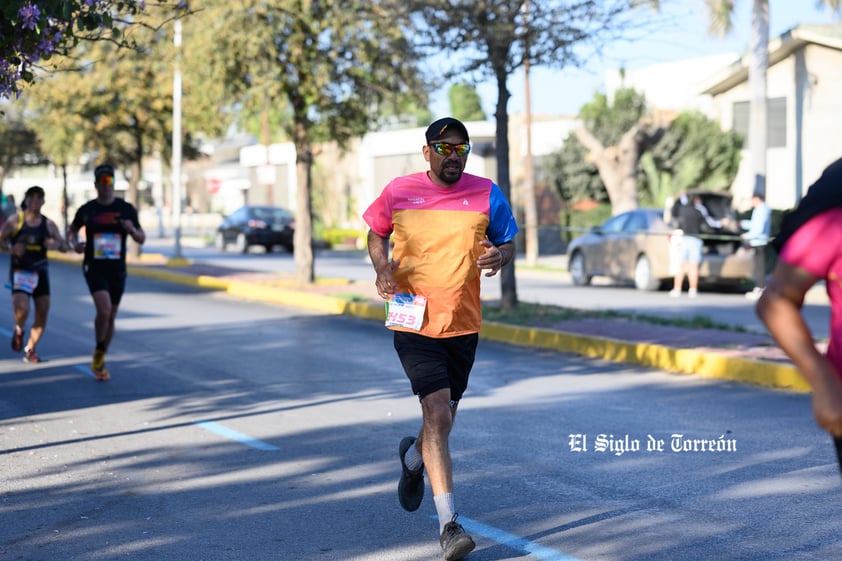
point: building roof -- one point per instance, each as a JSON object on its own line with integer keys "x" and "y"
{"x": 780, "y": 48}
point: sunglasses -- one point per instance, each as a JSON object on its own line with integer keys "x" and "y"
{"x": 105, "y": 180}
{"x": 445, "y": 149}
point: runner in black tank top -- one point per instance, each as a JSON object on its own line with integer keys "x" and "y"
{"x": 28, "y": 235}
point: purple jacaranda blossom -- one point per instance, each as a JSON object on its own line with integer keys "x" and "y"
{"x": 29, "y": 15}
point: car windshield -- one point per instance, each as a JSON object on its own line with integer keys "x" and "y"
{"x": 272, "y": 214}
{"x": 616, "y": 223}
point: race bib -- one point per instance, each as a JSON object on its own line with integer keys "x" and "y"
{"x": 108, "y": 246}
{"x": 26, "y": 281}
{"x": 406, "y": 310}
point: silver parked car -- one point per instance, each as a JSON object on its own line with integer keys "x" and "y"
{"x": 635, "y": 246}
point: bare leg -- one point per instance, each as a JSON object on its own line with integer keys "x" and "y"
{"x": 438, "y": 419}
{"x": 693, "y": 276}
{"x": 42, "y": 308}
{"x": 105, "y": 315}
{"x": 20, "y": 307}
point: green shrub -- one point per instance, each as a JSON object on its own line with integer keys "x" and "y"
{"x": 342, "y": 236}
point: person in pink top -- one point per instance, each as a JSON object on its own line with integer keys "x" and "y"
{"x": 448, "y": 227}
{"x": 810, "y": 245}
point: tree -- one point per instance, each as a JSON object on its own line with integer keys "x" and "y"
{"x": 465, "y": 103}
{"x": 335, "y": 65}
{"x": 721, "y": 13}
{"x": 615, "y": 137}
{"x": 112, "y": 102}
{"x": 19, "y": 144}
{"x": 694, "y": 153}
{"x": 32, "y": 31}
{"x": 496, "y": 37}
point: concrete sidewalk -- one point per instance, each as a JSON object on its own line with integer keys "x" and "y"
{"x": 728, "y": 355}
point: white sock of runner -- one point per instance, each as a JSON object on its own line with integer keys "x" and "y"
{"x": 445, "y": 509}
{"x": 413, "y": 459}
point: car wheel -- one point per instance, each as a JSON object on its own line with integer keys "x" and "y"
{"x": 241, "y": 244}
{"x": 643, "y": 278}
{"x": 578, "y": 273}
{"x": 219, "y": 242}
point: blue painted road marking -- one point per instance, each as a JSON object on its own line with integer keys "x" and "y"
{"x": 238, "y": 436}
{"x": 514, "y": 542}
{"x": 84, "y": 369}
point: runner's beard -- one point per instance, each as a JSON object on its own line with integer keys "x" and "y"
{"x": 450, "y": 173}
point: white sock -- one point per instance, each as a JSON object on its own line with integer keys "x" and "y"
{"x": 413, "y": 459}
{"x": 445, "y": 509}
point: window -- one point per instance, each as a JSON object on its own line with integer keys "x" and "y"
{"x": 775, "y": 121}
{"x": 637, "y": 223}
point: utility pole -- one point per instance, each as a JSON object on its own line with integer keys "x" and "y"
{"x": 176, "y": 142}
{"x": 530, "y": 205}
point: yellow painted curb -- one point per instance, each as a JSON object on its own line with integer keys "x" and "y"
{"x": 705, "y": 363}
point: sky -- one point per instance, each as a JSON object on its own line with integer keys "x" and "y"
{"x": 681, "y": 34}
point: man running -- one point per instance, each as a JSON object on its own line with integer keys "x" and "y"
{"x": 108, "y": 221}
{"x": 28, "y": 235}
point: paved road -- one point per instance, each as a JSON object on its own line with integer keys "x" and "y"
{"x": 239, "y": 431}
{"x": 549, "y": 284}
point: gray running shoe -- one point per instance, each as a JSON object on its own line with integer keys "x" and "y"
{"x": 455, "y": 542}
{"x": 411, "y": 484}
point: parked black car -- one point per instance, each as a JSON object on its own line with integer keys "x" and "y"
{"x": 266, "y": 226}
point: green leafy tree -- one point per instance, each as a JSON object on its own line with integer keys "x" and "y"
{"x": 694, "y": 153}
{"x": 465, "y": 103}
{"x": 60, "y": 126}
{"x": 112, "y": 102}
{"x": 336, "y": 66}
{"x": 19, "y": 144}
{"x": 615, "y": 136}
{"x": 496, "y": 37}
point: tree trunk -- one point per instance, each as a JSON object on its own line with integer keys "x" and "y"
{"x": 530, "y": 204}
{"x": 133, "y": 195}
{"x": 508, "y": 286}
{"x": 303, "y": 237}
{"x": 617, "y": 165}
{"x": 758, "y": 67}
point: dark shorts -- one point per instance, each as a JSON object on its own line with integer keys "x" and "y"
{"x": 41, "y": 289}
{"x": 435, "y": 364}
{"x": 113, "y": 282}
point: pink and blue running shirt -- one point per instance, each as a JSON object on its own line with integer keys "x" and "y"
{"x": 816, "y": 247}
{"x": 437, "y": 233}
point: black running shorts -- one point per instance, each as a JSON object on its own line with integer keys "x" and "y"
{"x": 41, "y": 289}
{"x": 435, "y": 364}
{"x": 114, "y": 282}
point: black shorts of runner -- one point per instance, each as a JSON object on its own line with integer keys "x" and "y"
{"x": 114, "y": 282}
{"x": 42, "y": 289}
{"x": 435, "y": 364}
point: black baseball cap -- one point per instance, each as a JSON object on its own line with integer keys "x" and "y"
{"x": 441, "y": 128}
{"x": 103, "y": 169}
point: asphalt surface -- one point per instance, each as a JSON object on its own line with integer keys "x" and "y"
{"x": 244, "y": 430}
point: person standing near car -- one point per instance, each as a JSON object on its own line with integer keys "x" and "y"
{"x": 27, "y": 235}
{"x": 756, "y": 237}
{"x": 448, "y": 226}
{"x": 108, "y": 222}
{"x": 686, "y": 246}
